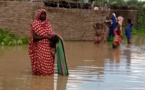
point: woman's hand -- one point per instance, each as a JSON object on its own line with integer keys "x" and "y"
{"x": 48, "y": 37}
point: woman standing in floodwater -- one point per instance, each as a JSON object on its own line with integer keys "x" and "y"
{"x": 42, "y": 58}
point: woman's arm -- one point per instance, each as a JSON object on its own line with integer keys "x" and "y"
{"x": 37, "y": 37}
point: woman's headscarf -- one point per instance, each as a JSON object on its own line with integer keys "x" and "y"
{"x": 120, "y": 20}
{"x": 39, "y": 12}
{"x": 42, "y": 28}
{"x": 114, "y": 15}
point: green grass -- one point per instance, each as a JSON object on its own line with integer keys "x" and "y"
{"x": 138, "y": 32}
{"x": 8, "y": 38}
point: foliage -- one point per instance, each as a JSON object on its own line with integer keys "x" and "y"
{"x": 117, "y": 1}
{"x": 132, "y": 2}
{"x": 140, "y": 19}
{"x": 8, "y": 38}
{"x": 140, "y": 32}
{"x": 76, "y": 0}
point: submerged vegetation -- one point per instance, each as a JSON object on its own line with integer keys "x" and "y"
{"x": 8, "y": 38}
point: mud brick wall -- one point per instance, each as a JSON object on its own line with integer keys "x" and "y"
{"x": 75, "y": 24}
{"x": 16, "y": 16}
{"x": 71, "y": 24}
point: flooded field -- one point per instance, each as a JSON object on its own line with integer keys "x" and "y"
{"x": 91, "y": 67}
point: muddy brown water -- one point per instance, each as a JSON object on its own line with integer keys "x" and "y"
{"x": 91, "y": 67}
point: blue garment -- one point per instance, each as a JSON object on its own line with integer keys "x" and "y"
{"x": 113, "y": 26}
{"x": 128, "y": 31}
{"x": 111, "y": 29}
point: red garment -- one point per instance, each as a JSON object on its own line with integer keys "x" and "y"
{"x": 42, "y": 59}
{"x": 117, "y": 38}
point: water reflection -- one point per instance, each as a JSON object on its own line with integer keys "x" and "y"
{"x": 91, "y": 67}
{"x": 116, "y": 55}
{"x": 61, "y": 83}
{"x": 42, "y": 83}
{"x": 127, "y": 54}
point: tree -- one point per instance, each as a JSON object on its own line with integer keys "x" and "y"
{"x": 132, "y": 2}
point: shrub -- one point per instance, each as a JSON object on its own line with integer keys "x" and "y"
{"x": 8, "y": 38}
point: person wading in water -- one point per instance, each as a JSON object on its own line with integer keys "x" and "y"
{"x": 40, "y": 52}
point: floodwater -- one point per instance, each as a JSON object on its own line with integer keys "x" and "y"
{"x": 91, "y": 67}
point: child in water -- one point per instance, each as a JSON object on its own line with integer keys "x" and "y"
{"x": 117, "y": 38}
{"x": 128, "y": 31}
{"x": 97, "y": 26}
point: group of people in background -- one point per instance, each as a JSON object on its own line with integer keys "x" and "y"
{"x": 113, "y": 30}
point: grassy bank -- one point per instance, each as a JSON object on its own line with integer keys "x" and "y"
{"x": 139, "y": 32}
{"x": 8, "y": 38}
{"x": 136, "y": 32}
